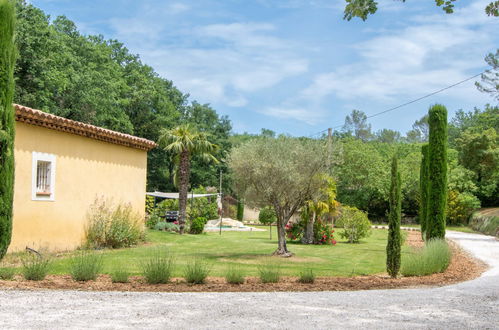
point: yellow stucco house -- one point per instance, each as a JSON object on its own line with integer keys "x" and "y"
{"x": 61, "y": 167}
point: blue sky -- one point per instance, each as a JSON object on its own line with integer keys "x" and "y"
{"x": 294, "y": 66}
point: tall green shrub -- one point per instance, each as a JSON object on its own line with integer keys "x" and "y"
{"x": 7, "y": 129}
{"x": 437, "y": 173}
{"x": 240, "y": 210}
{"x": 423, "y": 189}
{"x": 394, "y": 240}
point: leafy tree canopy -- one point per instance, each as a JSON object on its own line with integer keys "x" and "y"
{"x": 363, "y": 8}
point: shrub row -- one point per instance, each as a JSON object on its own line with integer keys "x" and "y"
{"x": 156, "y": 269}
{"x": 434, "y": 257}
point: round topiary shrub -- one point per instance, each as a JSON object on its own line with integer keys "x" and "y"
{"x": 267, "y": 216}
{"x": 355, "y": 224}
{"x": 197, "y": 225}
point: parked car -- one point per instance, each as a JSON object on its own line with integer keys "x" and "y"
{"x": 171, "y": 216}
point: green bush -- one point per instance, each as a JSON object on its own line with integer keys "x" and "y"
{"x": 460, "y": 206}
{"x": 120, "y": 276}
{"x": 234, "y": 275}
{"x": 173, "y": 227}
{"x": 196, "y": 271}
{"x": 167, "y": 226}
{"x": 197, "y": 225}
{"x": 355, "y": 224}
{"x": 153, "y": 220}
{"x": 160, "y": 225}
{"x": 158, "y": 268}
{"x": 205, "y": 207}
{"x": 267, "y": 216}
{"x": 230, "y": 211}
{"x": 35, "y": 268}
{"x": 165, "y": 205}
{"x": 487, "y": 224}
{"x": 7, "y": 273}
{"x": 269, "y": 272}
{"x": 85, "y": 266}
{"x": 112, "y": 226}
{"x": 307, "y": 276}
{"x": 434, "y": 257}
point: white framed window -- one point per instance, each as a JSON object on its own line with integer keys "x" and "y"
{"x": 43, "y": 177}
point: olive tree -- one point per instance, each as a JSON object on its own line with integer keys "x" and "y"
{"x": 282, "y": 172}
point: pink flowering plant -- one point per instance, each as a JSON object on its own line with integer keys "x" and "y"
{"x": 294, "y": 231}
{"x": 323, "y": 233}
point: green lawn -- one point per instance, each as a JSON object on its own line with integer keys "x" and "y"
{"x": 249, "y": 250}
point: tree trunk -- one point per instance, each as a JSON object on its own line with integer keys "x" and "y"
{"x": 282, "y": 249}
{"x": 308, "y": 237}
{"x": 184, "y": 170}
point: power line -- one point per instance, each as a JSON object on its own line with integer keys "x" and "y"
{"x": 412, "y": 101}
{"x": 312, "y": 135}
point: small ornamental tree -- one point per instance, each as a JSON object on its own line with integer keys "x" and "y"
{"x": 423, "y": 189}
{"x": 267, "y": 217}
{"x": 437, "y": 173}
{"x": 282, "y": 172}
{"x": 7, "y": 129}
{"x": 393, "y": 247}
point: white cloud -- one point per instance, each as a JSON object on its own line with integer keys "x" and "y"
{"x": 238, "y": 59}
{"x": 177, "y": 8}
{"x": 304, "y": 114}
{"x": 426, "y": 55}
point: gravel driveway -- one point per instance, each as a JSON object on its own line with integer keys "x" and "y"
{"x": 473, "y": 304}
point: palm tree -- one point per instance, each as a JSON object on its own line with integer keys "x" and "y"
{"x": 184, "y": 142}
{"x": 325, "y": 204}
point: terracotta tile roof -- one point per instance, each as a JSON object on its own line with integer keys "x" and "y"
{"x": 47, "y": 120}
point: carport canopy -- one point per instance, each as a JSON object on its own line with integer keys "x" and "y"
{"x": 164, "y": 195}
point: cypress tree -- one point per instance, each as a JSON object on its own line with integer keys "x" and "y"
{"x": 240, "y": 210}
{"x": 437, "y": 172}
{"x": 394, "y": 240}
{"x": 423, "y": 189}
{"x": 7, "y": 60}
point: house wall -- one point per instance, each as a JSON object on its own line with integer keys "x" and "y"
{"x": 86, "y": 169}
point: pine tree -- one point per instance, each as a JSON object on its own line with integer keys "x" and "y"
{"x": 394, "y": 241}
{"x": 7, "y": 129}
{"x": 423, "y": 189}
{"x": 437, "y": 173}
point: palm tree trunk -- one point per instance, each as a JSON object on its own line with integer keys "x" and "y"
{"x": 184, "y": 172}
{"x": 309, "y": 232}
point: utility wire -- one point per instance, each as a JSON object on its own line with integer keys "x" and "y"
{"x": 412, "y": 101}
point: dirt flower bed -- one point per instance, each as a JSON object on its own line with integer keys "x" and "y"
{"x": 462, "y": 268}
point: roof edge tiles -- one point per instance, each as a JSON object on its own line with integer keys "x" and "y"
{"x": 50, "y": 121}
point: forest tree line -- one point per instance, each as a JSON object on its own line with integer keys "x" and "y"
{"x": 97, "y": 81}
